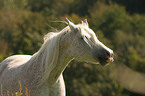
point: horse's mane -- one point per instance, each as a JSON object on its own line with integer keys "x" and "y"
{"x": 47, "y": 56}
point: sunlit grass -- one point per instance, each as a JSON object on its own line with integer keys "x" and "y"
{"x": 18, "y": 93}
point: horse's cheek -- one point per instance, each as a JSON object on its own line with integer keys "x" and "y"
{"x": 76, "y": 50}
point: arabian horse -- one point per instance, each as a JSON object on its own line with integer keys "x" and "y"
{"x": 42, "y": 72}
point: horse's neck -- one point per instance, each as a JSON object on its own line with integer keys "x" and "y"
{"x": 49, "y": 72}
{"x": 63, "y": 60}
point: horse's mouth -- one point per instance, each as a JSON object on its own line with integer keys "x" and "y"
{"x": 105, "y": 61}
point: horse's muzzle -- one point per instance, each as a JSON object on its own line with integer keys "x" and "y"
{"x": 106, "y": 59}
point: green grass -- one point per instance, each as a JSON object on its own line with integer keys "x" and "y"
{"x": 18, "y": 93}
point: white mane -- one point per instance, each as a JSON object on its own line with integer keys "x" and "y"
{"x": 49, "y": 53}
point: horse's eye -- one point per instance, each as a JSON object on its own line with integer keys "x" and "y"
{"x": 86, "y": 37}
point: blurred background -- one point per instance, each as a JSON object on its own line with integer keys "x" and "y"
{"x": 119, "y": 24}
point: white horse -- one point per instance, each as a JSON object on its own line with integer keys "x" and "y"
{"x": 42, "y": 72}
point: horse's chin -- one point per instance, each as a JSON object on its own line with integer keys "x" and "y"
{"x": 105, "y": 64}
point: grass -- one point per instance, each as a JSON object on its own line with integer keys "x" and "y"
{"x": 18, "y": 93}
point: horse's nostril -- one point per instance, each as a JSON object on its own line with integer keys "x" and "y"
{"x": 110, "y": 54}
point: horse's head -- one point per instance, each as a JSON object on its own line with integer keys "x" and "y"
{"x": 86, "y": 47}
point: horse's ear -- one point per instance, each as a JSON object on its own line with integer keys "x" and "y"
{"x": 85, "y": 23}
{"x": 71, "y": 24}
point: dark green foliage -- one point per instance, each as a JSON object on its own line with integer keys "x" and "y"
{"x": 23, "y": 23}
{"x": 133, "y": 6}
